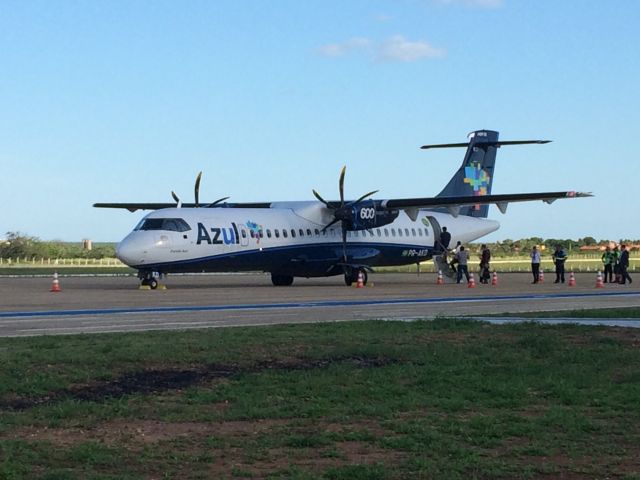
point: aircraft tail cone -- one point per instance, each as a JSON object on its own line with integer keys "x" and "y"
{"x": 541, "y": 276}
{"x": 55, "y": 285}
{"x": 360, "y": 283}
{"x": 572, "y": 280}
{"x": 599, "y": 282}
{"x": 472, "y": 281}
{"x": 494, "y": 279}
{"x": 440, "y": 279}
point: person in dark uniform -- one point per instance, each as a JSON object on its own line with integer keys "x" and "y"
{"x": 445, "y": 240}
{"x": 559, "y": 257}
{"x": 624, "y": 265}
{"x": 485, "y": 258}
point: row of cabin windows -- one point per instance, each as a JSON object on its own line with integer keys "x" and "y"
{"x": 378, "y": 232}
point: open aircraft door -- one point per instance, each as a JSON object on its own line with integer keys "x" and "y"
{"x": 434, "y": 227}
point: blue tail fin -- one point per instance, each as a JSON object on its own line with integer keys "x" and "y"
{"x": 475, "y": 176}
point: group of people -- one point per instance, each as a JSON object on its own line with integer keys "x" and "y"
{"x": 615, "y": 261}
{"x": 460, "y": 258}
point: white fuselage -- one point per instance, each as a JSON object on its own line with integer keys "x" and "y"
{"x": 286, "y": 238}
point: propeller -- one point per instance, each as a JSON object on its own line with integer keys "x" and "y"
{"x": 343, "y": 213}
{"x": 196, "y": 194}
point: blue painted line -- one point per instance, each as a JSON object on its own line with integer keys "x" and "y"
{"x": 328, "y": 303}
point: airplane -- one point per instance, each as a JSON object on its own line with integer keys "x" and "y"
{"x": 321, "y": 238}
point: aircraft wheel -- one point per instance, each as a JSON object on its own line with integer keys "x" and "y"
{"x": 153, "y": 283}
{"x": 281, "y": 280}
{"x": 348, "y": 279}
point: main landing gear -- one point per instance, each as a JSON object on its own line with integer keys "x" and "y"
{"x": 351, "y": 276}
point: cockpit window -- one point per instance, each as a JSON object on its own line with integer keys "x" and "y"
{"x": 170, "y": 224}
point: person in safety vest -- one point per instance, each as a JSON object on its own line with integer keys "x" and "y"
{"x": 608, "y": 260}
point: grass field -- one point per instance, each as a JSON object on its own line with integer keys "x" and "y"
{"x": 363, "y": 400}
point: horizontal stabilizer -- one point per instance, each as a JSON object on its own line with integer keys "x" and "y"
{"x": 493, "y": 144}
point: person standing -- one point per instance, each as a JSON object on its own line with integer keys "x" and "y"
{"x": 445, "y": 240}
{"x": 559, "y": 257}
{"x": 608, "y": 260}
{"x": 616, "y": 263}
{"x": 462, "y": 258}
{"x": 454, "y": 260}
{"x": 535, "y": 264}
{"x": 624, "y": 265}
{"x": 485, "y": 258}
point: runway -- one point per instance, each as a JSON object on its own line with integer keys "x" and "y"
{"x": 114, "y": 304}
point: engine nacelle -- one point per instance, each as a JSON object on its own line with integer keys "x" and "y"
{"x": 367, "y": 215}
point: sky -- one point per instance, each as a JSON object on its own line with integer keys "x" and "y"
{"x": 125, "y": 101}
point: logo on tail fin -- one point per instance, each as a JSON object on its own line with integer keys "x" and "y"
{"x": 478, "y": 178}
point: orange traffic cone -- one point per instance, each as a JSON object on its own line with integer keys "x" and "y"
{"x": 599, "y": 283}
{"x": 472, "y": 281}
{"x": 55, "y": 286}
{"x": 572, "y": 280}
{"x": 360, "y": 283}
{"x": 541, "y": 276}
{"x": 494, "y": 278}
{"x": 440, "y": 280}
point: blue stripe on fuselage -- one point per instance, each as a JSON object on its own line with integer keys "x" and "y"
{"x": 298, "y": 260}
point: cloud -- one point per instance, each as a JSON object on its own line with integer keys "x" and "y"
{"x": 393, "y": 49}
{"x": 339, "y": 49}
{"x": 399, "y": 49}
{"x": 474, "y": 3}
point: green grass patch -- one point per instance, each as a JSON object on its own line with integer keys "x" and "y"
{"x": 370, "y": 400}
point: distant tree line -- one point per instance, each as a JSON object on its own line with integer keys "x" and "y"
{"x": 508, "y": 247}
{"x": 18, "y": 245}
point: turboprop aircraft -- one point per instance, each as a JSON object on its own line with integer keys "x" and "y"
{"x": 321, "y": 238}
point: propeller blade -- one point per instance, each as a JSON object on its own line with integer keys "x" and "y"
{"x": 213, "y": 204}
{"x": 317, "y": 195}
{"x": 344, "y": 243}
{"x": 364, "y": 196}
{"x": 333, "y": 222}
{"x": 196, "y": 190}
{"x": 176, "y": 198}
{"x": 341, "y": 185}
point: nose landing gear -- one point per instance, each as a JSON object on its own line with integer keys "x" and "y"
{"x": 150, "y": 280}
{"x": 351, "y": 276}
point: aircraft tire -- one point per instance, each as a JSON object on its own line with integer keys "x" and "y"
{"x": 153, "y": 283}
{"x": 281, "y": 280}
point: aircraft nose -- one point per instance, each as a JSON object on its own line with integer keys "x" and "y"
{"x": 130, "y": 252}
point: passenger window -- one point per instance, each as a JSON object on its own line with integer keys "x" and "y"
{"x": 419, "y": 232}
{"x": 355, "y": 233}
{"x": 268, "y": 233}
{"x": 244, "y": 234}
{"x": 301, "y": 232}
{"x": 406, "y": 232}
{"x": 378, "y": 232}
{"x": 260, "y": 233}
{"x": 285, "y": 234}
{"x": 308, "y": 232}
{"x": 317, "y": 232}
{"x": 277, "y": 233}
{"x": 399, "y": 232}
{"x": 386, "y": 232}
{"x": 393, "y": 232}
{"x": 426, "y": 232}
{"x": 293, "y": 233}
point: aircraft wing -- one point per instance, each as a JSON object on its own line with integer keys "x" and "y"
{"x": 132, "y": 207}
{"x": 453, "y": 204}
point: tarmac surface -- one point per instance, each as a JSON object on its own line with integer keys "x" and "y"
{"x": 92, "y": 304}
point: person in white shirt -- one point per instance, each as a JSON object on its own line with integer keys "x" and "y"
{"x": 535, "y": 264}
